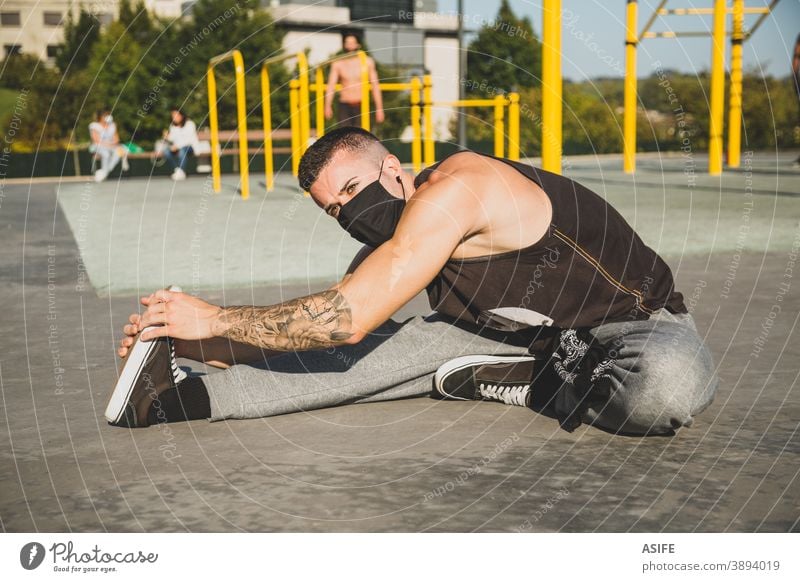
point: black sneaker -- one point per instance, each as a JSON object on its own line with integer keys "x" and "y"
{"x": 505, "y": 379}
{"x": 150, "y": 369}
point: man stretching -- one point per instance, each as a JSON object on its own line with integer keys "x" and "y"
{"x": 543, "y": 295}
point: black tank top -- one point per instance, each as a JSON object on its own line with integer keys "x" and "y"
{"x": 589, "y": 268}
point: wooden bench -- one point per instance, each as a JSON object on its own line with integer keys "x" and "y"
{"x": 227, "y": 136}
{"x": 231, "y": 136}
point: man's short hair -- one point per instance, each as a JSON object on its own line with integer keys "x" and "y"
{"x": 320, "y": 153}
{"x": 353, "y": 34}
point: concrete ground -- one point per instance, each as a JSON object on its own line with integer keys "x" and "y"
{"x": 75, "y": 256}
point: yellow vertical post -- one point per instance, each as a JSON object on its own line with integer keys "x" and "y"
{"x": 499, "y": 125}
{"x": 717, "y": 112}
{"x": 365, "y": 121}
{"x": 416, "y": 143}
{"x": 241, "y": 114}
{"x": 266, "y": 116}
{"x": 303, "y": 101}
{"x": 551, "y": 86}
{"x": 427, "y": 107}
{"x": 214, "y": 126}
{"x": 513, "y": 126}
{"x": 294, "y": 123}
{"x": 735, "y": 98}
{"x": 629, "y": 115}
{"x": 320, "y": 103}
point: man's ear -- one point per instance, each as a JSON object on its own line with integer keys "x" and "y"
{"x": 393, "y": 165}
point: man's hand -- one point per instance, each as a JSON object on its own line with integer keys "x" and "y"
{"x": 177, "y": 315}
{"x": 328, "y": 112}
{"x": 379, "y": 115}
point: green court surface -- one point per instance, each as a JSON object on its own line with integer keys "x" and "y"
{"x": 142, "y": 234}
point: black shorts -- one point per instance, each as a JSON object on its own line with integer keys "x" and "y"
{"x": 349, "y": 114}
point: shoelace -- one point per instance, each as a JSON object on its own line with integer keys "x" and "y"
{"x": 177, "y": 374}
{"x": 516, "y": 395}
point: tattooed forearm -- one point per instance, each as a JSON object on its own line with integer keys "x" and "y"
{"x": 315, "y": 321}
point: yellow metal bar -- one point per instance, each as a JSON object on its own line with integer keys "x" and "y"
{"x": 706, "y": 11}
{"x": 303, "y": 122}
{"x": 294, "y": 123}
{"x": 365, "y": 121}
{"x": 241, "y": 114}
{"x": 651, "y": 20}
{"x": 676, "y": 34}
{"x": 499, "y": 125}
{"x": 513, "y": 126}
{"x": 427, "y": 105}
{"x": 629, "y": 115}
{"x": 266, "y": 117}
{"x": 761, "y": 19}
{"x": 303, "y": 103}
{"x": 735, "y": 98}
{"x": 214, "y": 61}
{"x": 384, "y": 86}
{"x": 416, "y": 143}
{"x": 466, "y": 103}
{"x": 717, "y": 112}
{"x": 214, "y": 126}
{"x": 551, "y": 86}
{"x": 394, "y": 86}
{"x": 319, "y": 87}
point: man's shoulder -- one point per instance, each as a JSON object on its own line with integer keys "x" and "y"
{"x": 466, "y": 165}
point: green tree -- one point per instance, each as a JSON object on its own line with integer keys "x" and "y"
{"x": 506, "y": 53}
{"x": 79, "y": 38}
{"x": 137, "y": 21}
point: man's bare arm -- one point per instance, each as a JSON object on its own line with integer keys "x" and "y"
{"x": 315, "y": 321}
{"x": 330, "y": 90}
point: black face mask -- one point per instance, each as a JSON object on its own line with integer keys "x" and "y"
{"x": 372, "y": 215}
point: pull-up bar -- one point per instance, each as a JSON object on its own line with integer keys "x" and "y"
{"x": 738, "y": 35}
{"x": 300, "y": 136}
{"x": 241, "y": 115}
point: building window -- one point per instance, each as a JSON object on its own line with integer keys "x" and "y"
{"x": 12, "y": 49}
{"x": 52, "y": 50}
{"x": 53, "y": 18}
{"x": 385, "y": 11}
{"x": 10, "y": 19}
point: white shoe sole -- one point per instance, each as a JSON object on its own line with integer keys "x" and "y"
{"x": 462, "y": 362}
{"x": 134, "y": 363}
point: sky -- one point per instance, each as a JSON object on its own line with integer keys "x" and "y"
{"x": 594, "y": 31}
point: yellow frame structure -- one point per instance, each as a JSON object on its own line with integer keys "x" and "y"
{"x": 299, "y": 111}
{"x": 551, "y": 86}
{"x": 498, "y": 103}
{"x": 717, "y": 98}
{"x": 241, "y": 115}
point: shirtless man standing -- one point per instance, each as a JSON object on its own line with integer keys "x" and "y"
{"x": 544, "y": 297}
{"x": 347, "y": 71}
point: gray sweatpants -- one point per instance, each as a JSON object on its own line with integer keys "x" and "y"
{"x": 663, "y": 373}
